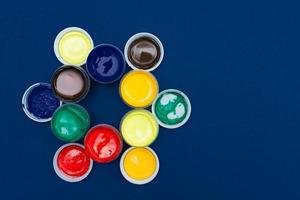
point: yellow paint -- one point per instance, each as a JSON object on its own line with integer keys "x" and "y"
{"x": 139, "y": 128}
{"x": 74, "y": 47}
{"x": 140, "y": 163}
{"x": 138, "y": 88}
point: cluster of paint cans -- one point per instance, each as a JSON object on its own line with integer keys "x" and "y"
{"x": 70, "y": 122}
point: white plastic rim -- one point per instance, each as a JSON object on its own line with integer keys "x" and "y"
{"x": 175, "y": 125}
{"x": 58, "y": 38}
{"x": 64, "y": 176}
{"x": 139, "y": 35}
{"x": 25, "y": 106}
{"x": 134, "y": 181}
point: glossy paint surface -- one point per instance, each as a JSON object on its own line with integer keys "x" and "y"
{"x": 73, "y": 161}
{"x": 70, "y": 122}
{"x": 139, "y": 128}
{"x": 172, "y": 108}
{"x": 105, "y": 63}
{"x": 138, "y": 88}
{"x": 139, "y": 163}
{"x": 74, "y": 47}
{"x": 143, "y": 53}
{"x": 70, "y": 83}
{"x": 103, "y": 143}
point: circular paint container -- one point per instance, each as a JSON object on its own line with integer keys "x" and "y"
{"x": 72, "y": 46}
{"x": 139, "y": 165}
{"x": 103, "y": 143}
{"x": 71, "y": 163}
{"x": 172, "y": 108}
{"x": 139, "y": 128}
{"x": 138, "y": 88}
{"x": 105, "y": 64}
{"x": 144, "y": 51}
{"x": 70, "y": 122}
{"x": 70, "y": 83}
{"x": 39, "y": 102}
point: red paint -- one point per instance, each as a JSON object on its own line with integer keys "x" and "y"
{"x": 73, "y": 161}
{"x": 103, "y": 143}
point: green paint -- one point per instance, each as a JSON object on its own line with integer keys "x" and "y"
{"x": 70, "y": 122}
{"x": 171, "y": 108}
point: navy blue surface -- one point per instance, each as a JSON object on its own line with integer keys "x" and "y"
{"x": 105, "y": 63}
{"x": 238, "y": 62}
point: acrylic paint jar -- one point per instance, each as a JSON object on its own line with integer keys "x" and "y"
{"x": 172, "y": 108}
{"x": 144, "y": 51}
{"x": 70, "y": 83}
{"x": 70, "y": 122}
{"x": 72, "y": 46}
{"x": 139, "y": 165}
{"x": 103, "y": 143}
{"x": 139, "y": 128}
{"x": 71, "y": 163}
{"x": 105, "y": 64}
{"x": 138, "y": 88}
{"x": 39, "y": 102}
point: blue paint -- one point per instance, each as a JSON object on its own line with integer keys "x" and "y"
{"x": 41, "y": 101}
{"x": 105, "y": 63}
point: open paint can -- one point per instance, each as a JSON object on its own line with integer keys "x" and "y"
{"x": 71, "y": 163}
{"x": 103, "y": 143}
{"x": 70, "y": 122}
{"x": 72, "y": 46}
{"x": 139, "y": 128}
{"x": 172, "y": 108}
{"x": 39, "y": 102}
{"x": 144, "y": 51}
{"x": 138, "y": 88}
{"x": 105, "y": 64}
{"x": 70, "y": 83}
{"x": 139, "y": 165}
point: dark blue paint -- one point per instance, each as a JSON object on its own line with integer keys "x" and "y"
{"x": 41, "y": 101}
{"x": 238, "y": 62}
{"x": 105, "y": 63}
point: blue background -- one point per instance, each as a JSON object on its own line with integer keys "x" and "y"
{"x": 238, "y": 62}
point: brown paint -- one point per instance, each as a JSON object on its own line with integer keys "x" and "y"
{"x": 144, "y": 53}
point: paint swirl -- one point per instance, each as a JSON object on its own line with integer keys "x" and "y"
{"x": 171, "y": 108}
